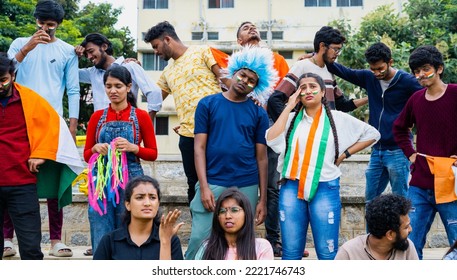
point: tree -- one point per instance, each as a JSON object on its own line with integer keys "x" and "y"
{"x": 432, "y": 22}
{"x": 16, "y": 20}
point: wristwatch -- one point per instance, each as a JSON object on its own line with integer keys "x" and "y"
{"x": 346, "y": 152}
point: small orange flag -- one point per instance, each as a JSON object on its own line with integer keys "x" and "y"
{"x": 445, "y": 183}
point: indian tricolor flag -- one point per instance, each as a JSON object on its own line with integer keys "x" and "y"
{"x": 50, "y": 139}
{"x": 311, "y": 162}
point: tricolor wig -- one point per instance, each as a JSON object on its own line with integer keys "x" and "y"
{"x": 260, "y": 61}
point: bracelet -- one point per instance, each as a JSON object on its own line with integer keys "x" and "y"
{"x": 22, "y": 52}
{"x": 346, "y": 152}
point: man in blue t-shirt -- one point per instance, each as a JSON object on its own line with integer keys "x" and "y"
{"x": 230, "y": 145}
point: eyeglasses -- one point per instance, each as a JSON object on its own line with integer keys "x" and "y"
{"x": 232, "y": 210}
{"x": 336, "y": 50}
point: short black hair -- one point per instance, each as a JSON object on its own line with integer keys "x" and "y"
{"x": 160, "y": 30}
{"x": 328, "y": 35}
{"x": 239, "y": 28}
{"x": 98, "y": 39}
{"x": 6, "y": 64}
{"x": 426, "y": 55}
{"x": 383, "y": 213}
{"x": 49, "y": 10}
{"x": 378, "y": 52}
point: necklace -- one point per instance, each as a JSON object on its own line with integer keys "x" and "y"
{"x": 315, "y": 62}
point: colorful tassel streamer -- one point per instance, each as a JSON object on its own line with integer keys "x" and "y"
{"x": 106, "y": 175}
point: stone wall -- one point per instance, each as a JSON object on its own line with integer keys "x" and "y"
{"x": 169, "y": 172}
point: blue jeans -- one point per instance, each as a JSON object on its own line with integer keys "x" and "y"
{"x": 107, "y": 132}
{"x": 386, "y": 166}
{"x": 423, "y": 213}
{"x": 272, "y": 219}
{"x": 323, "y": 213}
{"x": 24, "y": 210}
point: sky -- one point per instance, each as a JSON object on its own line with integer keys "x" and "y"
{"x": 128, "y": 16}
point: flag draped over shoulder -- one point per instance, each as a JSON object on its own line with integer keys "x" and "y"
{"x": 50, "y": 139}
{"x": 444, "y": 172}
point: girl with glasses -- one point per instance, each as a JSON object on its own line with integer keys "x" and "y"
{"x": 232, "y": 234}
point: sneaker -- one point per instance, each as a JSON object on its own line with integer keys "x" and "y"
{"x": 8, "y": 249}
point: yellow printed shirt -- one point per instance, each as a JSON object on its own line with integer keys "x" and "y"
{"x": 189, "y": 79}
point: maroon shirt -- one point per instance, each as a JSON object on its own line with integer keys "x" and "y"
{"x": 436, "y": 129}
{"x": 14, "y": 144}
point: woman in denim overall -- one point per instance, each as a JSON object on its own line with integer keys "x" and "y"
{"x": 128, "y": 132}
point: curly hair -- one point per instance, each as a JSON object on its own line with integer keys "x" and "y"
{"x": 383, "y": 213}
{"x": 6, "y": 64}
{"x": 49, "y": 10}
{"x": 159, "y": 31}
{"x": 426, "y": 55}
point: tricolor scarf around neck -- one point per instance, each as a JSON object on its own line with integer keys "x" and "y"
{"x": 313, "y": 158}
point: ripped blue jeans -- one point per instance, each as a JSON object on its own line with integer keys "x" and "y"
{"x": 323, "y": 213}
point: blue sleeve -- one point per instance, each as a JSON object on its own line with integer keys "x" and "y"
{"x": 72, "y": 86}
{"x": 202, "y": 117}
{"x": 84, "y": 76}
{"x": 262, "y": 127}
{"x": 14, "y": 48}
{"x": 356, "y": 77}
{"x": 150, "y": 89}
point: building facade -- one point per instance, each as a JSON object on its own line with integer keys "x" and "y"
{"x": 286, "y": 26}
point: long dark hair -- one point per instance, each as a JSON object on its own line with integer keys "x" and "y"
{"x": 217, "y": 246}
{"x": 321, "y": 83}
{"x": 131, "y": 185}
{"x": 122, "y": 74}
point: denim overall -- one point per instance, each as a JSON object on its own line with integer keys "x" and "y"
{"x": 105, "y": 133}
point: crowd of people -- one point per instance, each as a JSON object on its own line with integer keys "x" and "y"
{"x": 260, "y": 143}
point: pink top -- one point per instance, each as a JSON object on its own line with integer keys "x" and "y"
{"x": 263, "y": 250}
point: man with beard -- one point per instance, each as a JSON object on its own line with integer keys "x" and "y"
{"x": 35, "y": 144}
{"x": 328, "y": 43}
{"x": 191, "y": 75}
{"x": 99, "y": 50}
{"x": 248, "y": 35}
{"x": 388, "y": 91}
{"x": 388, "y": 226}
{"x": 230, "y": 145}
{"x": 432, "y": 111}
{"x": 49, "y": 67}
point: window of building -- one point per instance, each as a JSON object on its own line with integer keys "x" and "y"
{"x": 153, "y": 62}
{"x": 349, "y": 3}
{"x": 161, "y": 125}
{"x": 318, "y": 3}
{"x": 275, "y": 35}
{"x": 217, "y": 4}
{"x": 198, "y": 36}
{"x": 155, "y": 4}
{"x": 287, "y": 54}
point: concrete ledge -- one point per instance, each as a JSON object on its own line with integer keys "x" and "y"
{"x": 168, "y": 171}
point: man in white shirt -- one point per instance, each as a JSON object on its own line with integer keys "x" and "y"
{"x": 99, "y": 50}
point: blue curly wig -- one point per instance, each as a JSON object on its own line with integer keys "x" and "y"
{"x": 260, "y": 61}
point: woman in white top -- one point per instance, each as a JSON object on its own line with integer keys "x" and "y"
{"x": 312, "y": 141}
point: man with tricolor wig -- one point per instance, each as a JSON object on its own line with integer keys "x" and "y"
{"x": 432, "y": 112}
{"x": 38, "y": 154}
{"x": 230, "y": 146}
